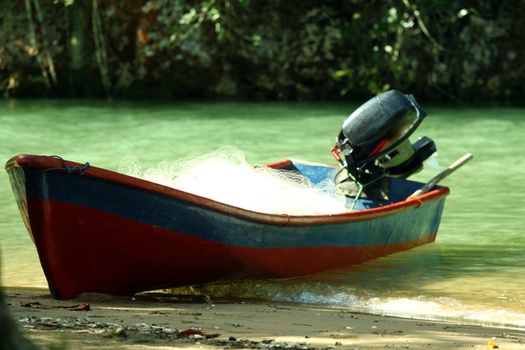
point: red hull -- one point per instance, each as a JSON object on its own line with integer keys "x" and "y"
{"x": 117, "y": 258}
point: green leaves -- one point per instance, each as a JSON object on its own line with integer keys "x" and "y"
{"x": 279, "y": 49}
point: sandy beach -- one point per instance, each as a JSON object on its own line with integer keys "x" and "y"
{"x": 155, "y": 321}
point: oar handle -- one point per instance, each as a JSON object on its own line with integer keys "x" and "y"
{"x": 434, "y": 181}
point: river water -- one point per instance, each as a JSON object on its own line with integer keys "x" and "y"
{"x": 473, "y": 273}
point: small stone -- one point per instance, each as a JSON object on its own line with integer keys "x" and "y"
{"x": 232, "y": 338}
{"x": 120, "y": 332}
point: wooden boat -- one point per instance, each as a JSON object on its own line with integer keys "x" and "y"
{"x": 100, "y": 231}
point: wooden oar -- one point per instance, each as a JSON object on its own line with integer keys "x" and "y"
{"x": 455, "y": 166}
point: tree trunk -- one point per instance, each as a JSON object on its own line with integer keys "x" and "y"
{"x": 80, "y": 49}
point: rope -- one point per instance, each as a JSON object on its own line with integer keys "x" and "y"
{"x": 75, "y": 170}
{"x": 359, "y": 192}
{"x": 361, "y": 187}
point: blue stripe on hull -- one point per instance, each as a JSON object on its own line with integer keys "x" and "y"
{"x": 177, "y": 215}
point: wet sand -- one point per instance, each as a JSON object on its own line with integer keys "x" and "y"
{"x": 154, "y": 321}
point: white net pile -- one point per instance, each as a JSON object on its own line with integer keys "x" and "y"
{"x": 226, "y": 176}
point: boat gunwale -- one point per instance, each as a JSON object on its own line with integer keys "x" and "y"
{"x": 57, "y": 164}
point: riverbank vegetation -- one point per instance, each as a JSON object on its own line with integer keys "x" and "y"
{"x": 254, "y": 49}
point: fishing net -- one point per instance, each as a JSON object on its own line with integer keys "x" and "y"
{"x": 225, "y": 176}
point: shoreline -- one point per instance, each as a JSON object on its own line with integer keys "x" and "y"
{"x": 156, "y": 321}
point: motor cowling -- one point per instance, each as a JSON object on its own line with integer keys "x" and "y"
{"x": 374, "y": 142}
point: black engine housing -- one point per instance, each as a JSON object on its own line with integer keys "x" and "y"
{"x": 374, "y": 141}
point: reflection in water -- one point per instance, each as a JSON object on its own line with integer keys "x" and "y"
{"x": 475, "y": 271}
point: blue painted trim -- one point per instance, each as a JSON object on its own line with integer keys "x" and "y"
{"x": 181, "y": 216}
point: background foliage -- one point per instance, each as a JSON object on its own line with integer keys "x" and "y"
{"x": 255, "y": 49}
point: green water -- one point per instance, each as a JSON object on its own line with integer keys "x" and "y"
{"x": 475, "y": 271}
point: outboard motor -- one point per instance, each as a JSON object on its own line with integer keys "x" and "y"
{"x": 375, "y": 146}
